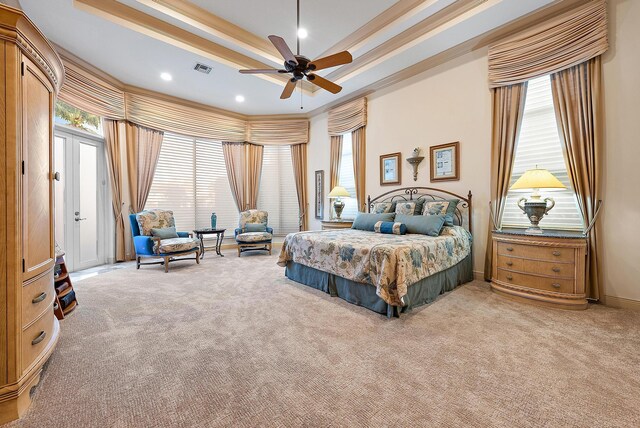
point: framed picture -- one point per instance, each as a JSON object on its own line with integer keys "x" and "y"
{"x": 445, "y": 162}
{"x": 390, "y": 169}
{"x": 320, "y": 195}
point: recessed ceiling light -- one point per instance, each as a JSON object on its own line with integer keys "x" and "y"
{"x": 302, "y": 33}
{"x": 166, "y": 76}
{"x": 240, "y": 98}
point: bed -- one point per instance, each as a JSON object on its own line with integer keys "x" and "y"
{"x": 389, "y": 274}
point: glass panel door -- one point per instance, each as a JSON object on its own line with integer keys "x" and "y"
{"x": 85, "y": 216}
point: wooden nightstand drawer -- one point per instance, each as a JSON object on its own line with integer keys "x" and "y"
{"x": 536, "y": 252}
{"x": 557, "y": 285}
{"x": 562, "y": 270}
{"x": 511, "y": 263}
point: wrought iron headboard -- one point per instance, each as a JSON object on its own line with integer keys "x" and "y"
{"x": 462, "y": 213}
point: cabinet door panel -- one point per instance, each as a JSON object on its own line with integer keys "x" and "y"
{"x": 37, "y": 184}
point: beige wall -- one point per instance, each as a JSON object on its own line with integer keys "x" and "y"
{"x": 452, "y": 103}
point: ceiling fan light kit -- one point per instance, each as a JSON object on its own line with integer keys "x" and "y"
{"x": 299, "y": 66}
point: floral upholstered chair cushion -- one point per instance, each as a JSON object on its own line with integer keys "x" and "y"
{"x": 254, "y": 217}
{"x": 383, "y": 207}
{"x": 249, "y": 237}
{"x": 154, "y": 219}
{"x": 175, "y": 245}
{"x": 252, "y": 227}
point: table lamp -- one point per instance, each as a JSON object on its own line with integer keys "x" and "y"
{"x": 535, "y": 208}
{"x": 337, "y": 193}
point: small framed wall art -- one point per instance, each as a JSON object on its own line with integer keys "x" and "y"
{"x": 445, "y": 162}
{"x": 390, "y": 169}
{"x": 319, "y": 182}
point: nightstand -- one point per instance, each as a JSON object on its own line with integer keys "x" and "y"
{"x": 547, "y": 269}
{"x": 336, "y": 224}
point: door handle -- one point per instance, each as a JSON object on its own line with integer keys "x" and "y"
{"x": 79, "y": 219}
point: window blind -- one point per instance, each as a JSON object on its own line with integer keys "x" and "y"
{"x": 277, "y": 193}
{"x": 191, "y": 180}
{"x": 347, "y": 179}
{"x": 539, "y": 146}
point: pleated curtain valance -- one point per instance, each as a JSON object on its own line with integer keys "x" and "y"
{"x": 348, "y": 117}
{"x": 555, "y": 45}
{"x": 91, "y": 93}
{"x": 157, "y": 113}
{"x": 279, "y": 132}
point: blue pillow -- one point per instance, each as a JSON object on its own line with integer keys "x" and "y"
{"x": 164, "y": 233}
{"x": 255, "y": 227}
{"x": 430, "y": 225}
{"x": 390, "y": 228}
{"x": 365, "y": 221}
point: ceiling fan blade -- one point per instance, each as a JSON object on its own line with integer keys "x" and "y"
{"x": 324, "y": 83}
{"x": 284, "y": 50}
{"x": 263, "y": 71}
{"x": 340, "y": 58}
{"x": 288, "y": 90}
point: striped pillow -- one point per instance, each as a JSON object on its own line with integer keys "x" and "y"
{"x": 390, "y": 227}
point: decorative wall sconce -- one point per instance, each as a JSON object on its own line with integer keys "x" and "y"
{"x": 415, "y": 161}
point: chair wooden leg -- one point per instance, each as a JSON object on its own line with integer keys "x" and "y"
{"x": 269, "y": 249}
{"x": 198, "y": 257}
{"x": 238, "y": 250}
{"x": 166, "y": 265}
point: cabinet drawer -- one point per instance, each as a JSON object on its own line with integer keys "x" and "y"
{"x": 37, "y": 296}
{"x": 511, "y": 263}
{"x": 564, "y": 270}
{"x": 557, "y": 285}
{"x": 36, "y": 337}
{"x": 536, "y": 252}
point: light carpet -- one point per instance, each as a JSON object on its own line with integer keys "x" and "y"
{"x": 232, "y": 342}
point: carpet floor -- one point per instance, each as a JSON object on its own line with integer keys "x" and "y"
{"x": 232, "y": 342}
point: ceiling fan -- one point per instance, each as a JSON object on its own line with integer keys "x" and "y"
{"x": 299, "y": 66}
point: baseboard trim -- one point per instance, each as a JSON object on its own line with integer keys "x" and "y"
{"x": 621, "y": 302}
{"x": 478, "y": 275}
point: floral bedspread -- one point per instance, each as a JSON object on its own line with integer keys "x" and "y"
{"x": 390, "y": 262}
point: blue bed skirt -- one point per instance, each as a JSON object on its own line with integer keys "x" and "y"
{"x": 422, "y": 292}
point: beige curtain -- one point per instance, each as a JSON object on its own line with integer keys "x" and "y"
{"x": 507, "y": 109}
{"x": 299, "y": 161}
{"x": 278, "y": 132}
{"x": 254, "y": 163}
{"x": 348, "y": 117}
{"x": 555, "y": 45}
{"x": 112, "y": 147}
{"x": 143, "y": 151}
{"x": 335, "y": 159}
{"x": 359, "y": 166}
{"x": 577, "y": 98}
{"x": 234, "y": 160}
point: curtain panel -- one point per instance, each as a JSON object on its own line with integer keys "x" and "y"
{"x": 254, "y": 155}
{"x": 299, "y": 161}
{"x": 557, "y": 44}
{"x": 348, "y": 117}
{"x": 359, "y": 166}
{"x": 577, "y": 98}
{"x": 278, "y": 132}
{"x": 335, "y": 159}
{"x": 112, "y": 148}
{"x": 234, "y": 160}
{"x": 507, "y": 110}
{"x": 143, "y": 151}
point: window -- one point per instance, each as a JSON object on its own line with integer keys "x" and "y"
{"x": 347, "y": 180}
{"x": 539, "y": 146}
{"x": 191, "y": 180}
{"x": 67, "y": 114}
{"x": 277, "y": 193}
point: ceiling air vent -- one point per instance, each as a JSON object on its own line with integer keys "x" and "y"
{"x": 202, "y": 68}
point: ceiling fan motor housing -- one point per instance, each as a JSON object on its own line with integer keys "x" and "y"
{"x": 300, "y": 69}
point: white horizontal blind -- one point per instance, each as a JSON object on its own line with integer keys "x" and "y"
{"x": 191, "y": 180}
{"x": 173, "y": 186}
{"x": 539, "y": 146}
{"x": 346, "y": 178}
{"x": 213, "y": 192}
{"x": 277, "y": 192}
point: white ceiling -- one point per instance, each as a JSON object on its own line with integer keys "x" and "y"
{"x": 138, "y": 59}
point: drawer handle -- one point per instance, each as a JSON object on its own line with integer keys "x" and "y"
{"x": 556, "y": 253}
{"x": 509, "y": 248}
{"x": 509, "y": 263}
{"x": 555, "y": 285}
{"x": 39, "y": 339}
{"x": 509, "y": 277}
{"x": 40, "y": 298}
{"x": 555, "y": 269}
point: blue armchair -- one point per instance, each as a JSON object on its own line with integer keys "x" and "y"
{"x": 253, "y": 233}
{"x": 148, "y": 246}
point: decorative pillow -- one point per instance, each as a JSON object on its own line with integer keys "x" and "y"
{"x": 154, "y": 219}
{"x": 390, "y": 227}
{"x": 366, "y": 221}
{"x": 445, "y": 208}
{"x": 383, "y": 207}
{"x": 430, "y": 225}
{"x": 165, "y": 233}
{"x": 407, "y": 208}
{"x": 254, "y": 227}
{"x": 253, "y": 216}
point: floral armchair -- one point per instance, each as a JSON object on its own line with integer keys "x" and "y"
{"x": 253, "y": 233}
{"x": 154, "y": 236}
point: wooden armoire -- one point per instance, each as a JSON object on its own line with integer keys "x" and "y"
{"x": 30, "y": 76}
